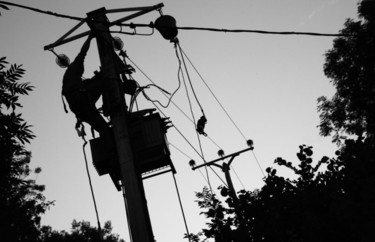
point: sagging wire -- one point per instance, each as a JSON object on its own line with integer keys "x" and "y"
{"x": 81, "y": 132}
{"x": 170, "y": 98}
{"x": 179, "y": 72}
{"x": 222, "y": 107}
{"x": 193, "y": 28}
{"x": 182, "y": 208}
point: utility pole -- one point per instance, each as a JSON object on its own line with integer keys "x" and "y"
{"x": 225, "y": 167}
{"x": 115, "y": 106}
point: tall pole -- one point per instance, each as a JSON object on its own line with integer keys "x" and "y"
{"x": 226, "y": 167}
{"x": 115, "y": 106}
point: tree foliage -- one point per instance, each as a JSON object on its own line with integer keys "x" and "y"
{"x": 81, "y": 231}
{"x": 21, "y": 199}
{"x": 350, "y": 65}
{"x": 328, "y": 200}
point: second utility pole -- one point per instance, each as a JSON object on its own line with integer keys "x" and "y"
{"x": 114, "y": 104}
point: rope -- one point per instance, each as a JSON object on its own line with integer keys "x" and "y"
{"x": 182, "y": 208}
{"x": 91, "y": 188}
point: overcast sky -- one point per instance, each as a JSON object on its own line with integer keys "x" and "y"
{"x": 268, "y": 84}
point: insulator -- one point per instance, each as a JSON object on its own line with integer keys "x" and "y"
{"x": 192, "y": 163}
{"x": 118, "y": 44}
{"x": 62, "y": 60}
{"x": 166, "y": 25}
{"x": 250, "y": 143}
{"x": 220, "y": 153}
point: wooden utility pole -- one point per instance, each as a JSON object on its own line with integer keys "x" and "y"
{"x": 115, "y": 106}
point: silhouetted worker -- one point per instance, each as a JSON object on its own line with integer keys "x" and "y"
{"x": 83, "y": 94}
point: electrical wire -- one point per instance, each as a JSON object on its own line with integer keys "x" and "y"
{"x": 222, "y": 107}
{"x": 182, "y": 208}
{"x": 192, "y": 28}
{"x": 213, "y": 94}
{"x": 174, "y": 104}
{"x": 266, "y": 32}
{"x": 188, "y": 77}
{"x": 260, "y": 167}
{"x": 42, "y": 11}
{"x": 238, "y": 178}
{"x": 194, "y": 122}
{"x": 182, "y": 135}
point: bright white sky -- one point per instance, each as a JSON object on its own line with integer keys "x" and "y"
{"x": 267, "y": 83}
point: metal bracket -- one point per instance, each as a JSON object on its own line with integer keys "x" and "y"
{"x": 141, "y": 11}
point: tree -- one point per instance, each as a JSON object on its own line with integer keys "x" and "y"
{"x": 21, "y": 199}
{"x": 330, "y": 200}
{"x": 350, "y": 65}
{"x": 81, "y": 231}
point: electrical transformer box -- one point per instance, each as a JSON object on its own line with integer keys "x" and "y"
{"x": 148, "y": 142}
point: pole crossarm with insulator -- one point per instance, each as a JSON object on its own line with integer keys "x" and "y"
{"x": 225, "y": 167}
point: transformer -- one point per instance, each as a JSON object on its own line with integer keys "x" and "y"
{"x": 147, "y": 131}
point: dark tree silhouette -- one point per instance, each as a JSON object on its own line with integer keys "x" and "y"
{"x": 350, "y": 65}
{"x": 330, "y": 200}
{"x": 21, "y": 199}
{"x": 81, "y": 231}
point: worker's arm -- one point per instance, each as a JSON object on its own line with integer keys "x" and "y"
{"x": 85, "y": 47}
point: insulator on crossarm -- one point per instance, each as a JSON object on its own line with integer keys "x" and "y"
{"x": 62, "y": 61}
{"x": 250, "y": 143}
{"x": 166, "y": 25}
{"x": 220, "y": 153}
{"x": 192, "y": 163}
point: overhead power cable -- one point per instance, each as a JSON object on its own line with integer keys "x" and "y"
{"x": 265, "y": 32}
{"x": 42, "y": 11}
{"x": 190, "y": 28}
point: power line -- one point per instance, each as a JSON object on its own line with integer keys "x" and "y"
{"x": 266, "y": 32}
{"x": 191, "y": 28}
{"x": 42, "y": 11}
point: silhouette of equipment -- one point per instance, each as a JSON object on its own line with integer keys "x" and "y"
{"x": 166, "y": 25}
{"x": 201, "y": 125}
{"x": 149, "y": 145}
